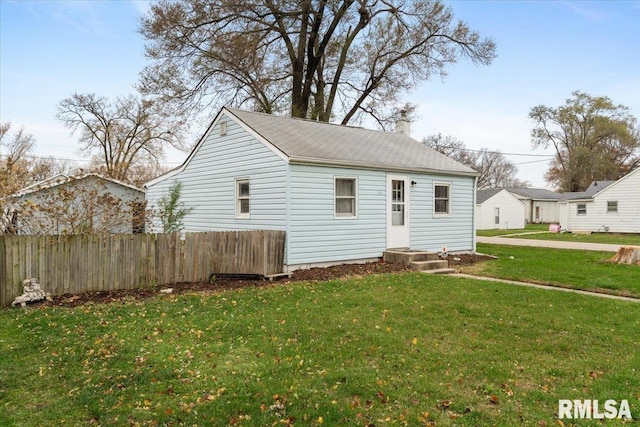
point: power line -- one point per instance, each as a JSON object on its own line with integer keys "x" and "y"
{"x": 509, "y": 154}
{"x": 532, "y": 161}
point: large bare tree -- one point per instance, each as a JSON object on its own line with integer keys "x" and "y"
{"x": 14, "y": 163}
{"x": 120, "y": 134}
{"x": 320, "y": 59}
{"x": 593, "y": 138}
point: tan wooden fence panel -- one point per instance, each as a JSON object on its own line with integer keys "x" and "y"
{"x": 90, "y": 263}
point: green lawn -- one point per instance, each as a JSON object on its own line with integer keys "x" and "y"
{"x": 541, "y": 233}
{"x": 620, "y": 239}
{"x": 576, "y": 269}
{"x": 529, "y": 228}
{"x": 406, "y": 349}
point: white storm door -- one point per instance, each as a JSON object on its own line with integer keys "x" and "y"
{"x": 398, "y": 211}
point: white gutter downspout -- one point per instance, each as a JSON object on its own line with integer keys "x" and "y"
{"x": 473, "y": 217}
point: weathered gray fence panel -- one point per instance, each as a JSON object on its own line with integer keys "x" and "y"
{"x": 83, "y": 263}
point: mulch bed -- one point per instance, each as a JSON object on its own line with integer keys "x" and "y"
{"x": 220, "y": 284}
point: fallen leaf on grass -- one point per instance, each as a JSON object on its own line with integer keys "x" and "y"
{"x": 444, "y": 404}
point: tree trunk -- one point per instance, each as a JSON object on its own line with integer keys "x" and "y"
{"x": 627, "y": 255}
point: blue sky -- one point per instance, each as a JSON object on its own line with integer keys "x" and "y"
{"x": 546, "y": 50}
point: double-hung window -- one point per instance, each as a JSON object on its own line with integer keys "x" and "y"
{"x": 442, "y": 199}
{"x": 581, "y": 209}
{"x": 612, "y": 206}
{"x": 346, "y": 195}
{"x": 242, "y": 198}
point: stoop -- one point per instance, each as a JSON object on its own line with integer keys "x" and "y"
{"x": 427, "y": 262}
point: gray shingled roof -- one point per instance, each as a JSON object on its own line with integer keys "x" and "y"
{"x": 594, "y": 188}
{"x": 484, "y": 195}
{"x": 309, "y": 141}
{"x": 597, "y": 186}
{"x": 534, "y": 193}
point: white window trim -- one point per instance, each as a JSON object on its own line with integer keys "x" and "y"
{"x": 612, "y": 211}
{"x": 335, "y": 196}
{"x": 442, "y": 214}
{"x": 238, "y": 181}
{"x": 578, "y": 213}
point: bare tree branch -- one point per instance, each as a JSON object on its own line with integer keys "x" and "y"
{"x": 305, "y": 58}
{"x": 117, "y": 133}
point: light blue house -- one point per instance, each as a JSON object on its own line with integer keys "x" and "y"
{"x": 342, "y": 194}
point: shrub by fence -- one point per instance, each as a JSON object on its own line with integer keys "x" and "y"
{"x": 82, "y": 263}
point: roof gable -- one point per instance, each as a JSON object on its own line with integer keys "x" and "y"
{"x": 616, "y": 183}
{"x": 484, "y": 195}
{"x": 61, "y": 179}
{"x": 307, "y": 141}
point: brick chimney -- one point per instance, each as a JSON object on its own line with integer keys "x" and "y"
{"x": 403, "y": 125}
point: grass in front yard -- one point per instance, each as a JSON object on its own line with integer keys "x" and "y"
{"x": 529, "y": 228}
{"x": 619, "y": 239}
{"x": 404, "y": 349}
{"x": 588, "y": 270}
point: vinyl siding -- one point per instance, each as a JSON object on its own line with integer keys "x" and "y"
{"x": 315, "y": 235}
{"x": 626, "y": 192}
{"x": 456, "y": 231}
{"x": 209, "y": 179}
{"x": 511, "y": 212}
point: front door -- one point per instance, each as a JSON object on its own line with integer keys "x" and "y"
{"x": 398, "y": 211}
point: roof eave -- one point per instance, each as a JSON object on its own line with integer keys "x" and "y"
{"x": 49, "y": 183}
{"x": 588, "y": 199}
{"x": 350, "y": 164}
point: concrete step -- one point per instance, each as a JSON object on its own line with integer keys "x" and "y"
{"x": 427, "y": 262}
{"x": 407, "y": 256}
{"x": 429, "y": 265}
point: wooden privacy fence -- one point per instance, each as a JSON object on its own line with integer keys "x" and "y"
{"x": 83, "y": 263}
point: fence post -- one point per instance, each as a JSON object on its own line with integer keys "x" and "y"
{"x": 3, "y": 274}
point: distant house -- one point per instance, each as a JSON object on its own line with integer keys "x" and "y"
{"x": 341, "y": 193}
{"x": 612, "y": 206}
{"x": 541, "y": 205}
{"x": 497, "y": 208}
{"x": 88, "y": 203}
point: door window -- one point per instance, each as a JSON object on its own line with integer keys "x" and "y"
{"x": 397, "y": 202}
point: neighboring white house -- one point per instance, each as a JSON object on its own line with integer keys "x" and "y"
{"x": 62, "y": 204}
{"x": 497, "y": 208}
{"x": 341, "y": 193}
{"x": 606, "y": 206}
{"x": 541, "y": 205}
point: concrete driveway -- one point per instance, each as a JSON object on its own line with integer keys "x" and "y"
{"x": 548, "y": 244}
